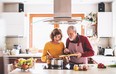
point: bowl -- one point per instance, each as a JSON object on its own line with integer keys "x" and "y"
{"x": 24, "y": 64}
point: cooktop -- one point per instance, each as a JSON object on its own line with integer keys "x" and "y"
{"x": 56, "y": 68}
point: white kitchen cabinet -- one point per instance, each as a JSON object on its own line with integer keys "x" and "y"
{"x": 105, "y": 25}
{"x": 1, "y": 7}
{"x": 114, "y": 21}
{"x": 14, "y": 24}
{"x": 2, "y": 34}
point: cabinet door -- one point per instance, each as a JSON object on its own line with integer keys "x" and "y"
{"x": 2, "y": 34}
{"x": 105, "y": 26}
{"x": 114, "y": 21}
{"x": 14, "y": 24}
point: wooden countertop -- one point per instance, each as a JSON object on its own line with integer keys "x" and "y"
{"x": 38, "y": 69}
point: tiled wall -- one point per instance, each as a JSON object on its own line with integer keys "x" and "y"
{"x": 102, "y": 42}
{"x": 105, "y": 42}
{"x": 95, "y": 42}
{"x": 22, "y": 41}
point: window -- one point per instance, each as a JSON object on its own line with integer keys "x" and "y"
{"x": 42, "y": 31}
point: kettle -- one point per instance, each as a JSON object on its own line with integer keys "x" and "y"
{"x": 16, "y": 49}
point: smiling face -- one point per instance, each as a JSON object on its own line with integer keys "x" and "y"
{"x": 56, "y": 35}
{"x": 71, "y": 33}
{"x": 57, "y": 38}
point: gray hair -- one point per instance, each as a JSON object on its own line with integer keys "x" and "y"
{"x": 72, "y": 28}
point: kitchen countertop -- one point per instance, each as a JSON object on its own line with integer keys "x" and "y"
{"x": 26, "y": 55}
{"x": 107, "y": 60}
{"x": 39, "y": 69}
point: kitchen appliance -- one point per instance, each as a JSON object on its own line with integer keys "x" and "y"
{"x": 108, "y": 52}
{"x": 62, "y": 12}
{"x": 101, "y": 51}
{"x": 16, "y": 49}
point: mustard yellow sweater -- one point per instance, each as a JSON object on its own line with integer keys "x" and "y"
{"x": 54, "y": 49}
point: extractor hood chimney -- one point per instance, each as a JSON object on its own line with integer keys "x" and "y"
{"x": 62, "y": 11}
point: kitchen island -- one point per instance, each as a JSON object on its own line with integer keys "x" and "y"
{"x": 38, "y": 69}
{"x": 107, "y": 60}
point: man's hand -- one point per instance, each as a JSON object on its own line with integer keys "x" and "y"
{"x": 79, "y": 54}
{"x": 66, "y": 51}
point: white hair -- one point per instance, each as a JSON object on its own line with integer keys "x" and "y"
{"x": 72, "y": 28}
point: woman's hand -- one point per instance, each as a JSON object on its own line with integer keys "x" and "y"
{"x": 49, "y": 57}
{"x": 66, "y": 51}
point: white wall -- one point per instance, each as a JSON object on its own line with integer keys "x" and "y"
{"x": 84, "y": 8}
{"x": 76, "y": 8}
{"x": 38, "y": 8}
{"x": 49, "y": 8}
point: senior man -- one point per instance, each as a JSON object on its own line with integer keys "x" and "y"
{"x": 78, "y": 45}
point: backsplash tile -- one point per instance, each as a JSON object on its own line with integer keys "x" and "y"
{"x": 22, "y": 41}
{"x": 101, "y": 42}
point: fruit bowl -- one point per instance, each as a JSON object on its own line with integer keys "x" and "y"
{"x": 24, "y": 64}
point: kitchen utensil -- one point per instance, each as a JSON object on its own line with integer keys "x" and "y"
{"x": 68, "y": 55}
{"x": 56, "y": 63}
{"x": 108, "y": 52}
{"x": 101, "y": 51}
{"x": 49, "y": 53}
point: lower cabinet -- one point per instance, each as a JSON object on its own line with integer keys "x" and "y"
{"x": 1, "y": 65}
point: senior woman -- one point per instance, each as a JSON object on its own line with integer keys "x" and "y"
{"x": 53, "y": 48}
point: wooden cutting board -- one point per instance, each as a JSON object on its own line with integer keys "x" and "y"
{"x": 68, "y": 55}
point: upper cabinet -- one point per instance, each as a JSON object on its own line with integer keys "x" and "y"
{"x": 114, "y": 21}
{"x": 13, "y": 7}
{"x": 13, "y": 14}
{"x": 105, "y": 25}
{"x": 1, "y": 7}
{"x": 14, "y": 24}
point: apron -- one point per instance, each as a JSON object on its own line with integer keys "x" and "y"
{"x": 73, "y": 48}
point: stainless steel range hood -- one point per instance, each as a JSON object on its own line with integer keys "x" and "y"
{"x": 62, "y": 11}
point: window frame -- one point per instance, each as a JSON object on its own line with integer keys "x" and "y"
{"x": 31, "y": 16}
